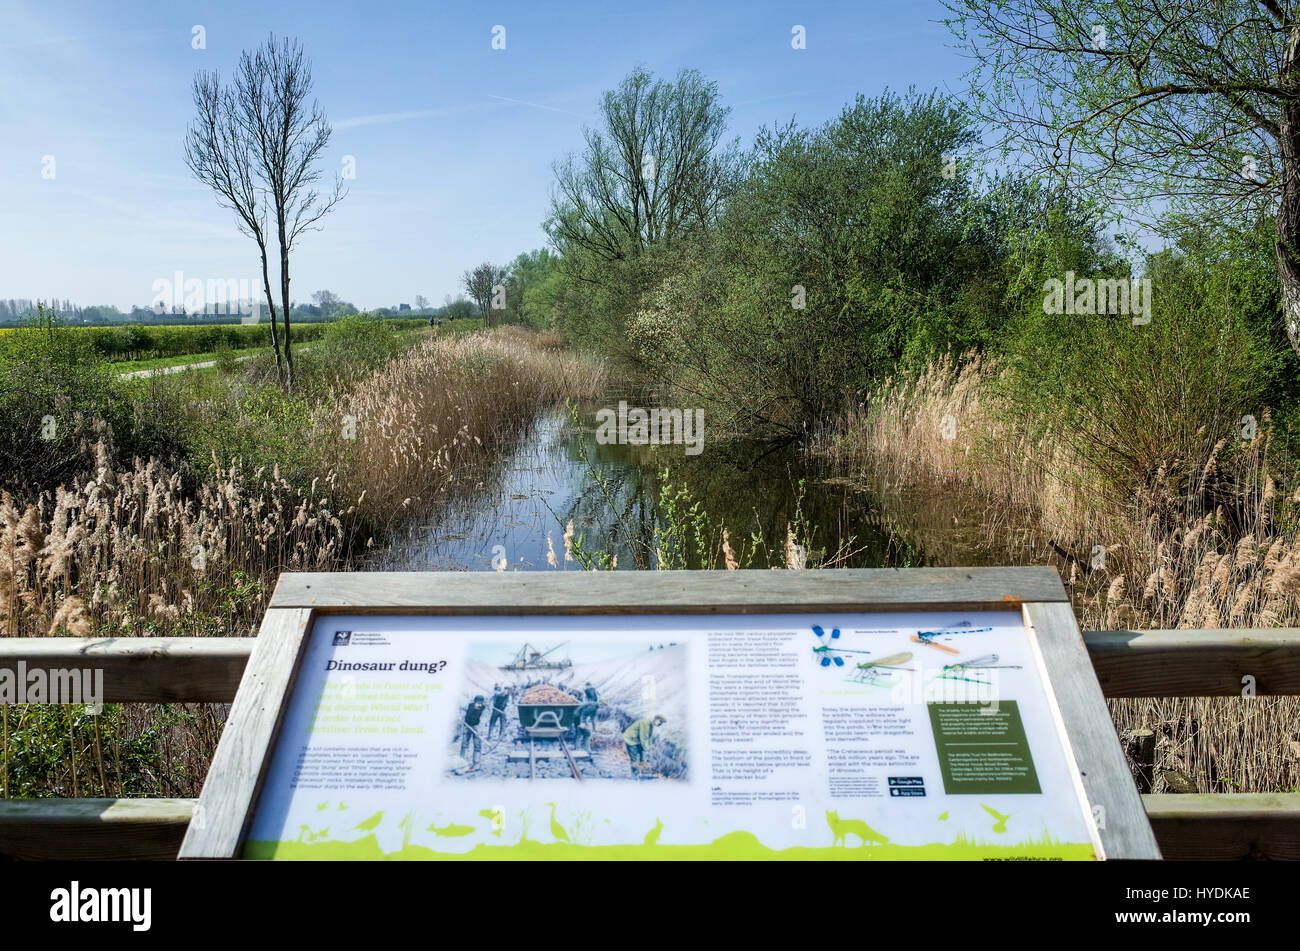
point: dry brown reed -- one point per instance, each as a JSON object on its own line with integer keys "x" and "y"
{"x": 133, "y": 552}
{"x": 421, "y": 419}
{"x": 161, "y": 549}
{"x": 142, "y": 552}
{"x": 1199, "y": 543}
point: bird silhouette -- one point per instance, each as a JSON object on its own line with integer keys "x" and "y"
{"x": 652, "y": 837}
{"x": 943, "y": 817}
{"x": 1001, "y": 825}
{"x": 557, "y": 830}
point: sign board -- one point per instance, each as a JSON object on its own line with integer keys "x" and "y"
{"x": 879, "y": 714}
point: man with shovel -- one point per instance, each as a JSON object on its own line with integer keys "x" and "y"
{"x": 637, "y": 738}
{"x": 469, "y": 722}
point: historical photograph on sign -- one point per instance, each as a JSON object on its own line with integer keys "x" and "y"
{"x": 572, "y": 710}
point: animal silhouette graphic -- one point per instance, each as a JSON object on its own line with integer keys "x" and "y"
{"x": 451, "y": 829}
{"x": 1001, "y": 825}
{"x": 652, "y": 837}
{"x": 557, "y": 830}
{"x": 842, "y": 828}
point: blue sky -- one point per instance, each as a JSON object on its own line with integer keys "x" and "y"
{"x": 453, "y": 141}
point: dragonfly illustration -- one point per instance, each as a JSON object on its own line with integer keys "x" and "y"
{"x": 975, "y": 666}
{"x": 928, "y": 637}
{"x": 876, "y": 672}
{"x": 983, "y": 662}
{"x": 826, "y": 651}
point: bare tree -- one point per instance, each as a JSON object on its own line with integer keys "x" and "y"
{"x": 273, "y": 84}
{"x": 257, "y": 144}
{"x": 218, "y": 153}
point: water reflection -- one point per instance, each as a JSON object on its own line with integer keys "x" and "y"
{"x": 556, "y": 473}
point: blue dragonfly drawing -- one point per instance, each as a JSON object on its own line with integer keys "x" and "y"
{"x": 826, "y": 651}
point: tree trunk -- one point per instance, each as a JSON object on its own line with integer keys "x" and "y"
{"x": 284, "y": 304}
{"x": 1288, "y": 211}
{"x": 270, "y": 302}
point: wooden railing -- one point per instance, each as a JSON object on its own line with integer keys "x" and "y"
{"x": 1218, "y": 663}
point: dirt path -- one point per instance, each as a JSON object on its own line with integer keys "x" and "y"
{"x": 163, "y": 371}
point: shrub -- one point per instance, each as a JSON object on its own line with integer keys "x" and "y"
{"x": 57, "y": 399}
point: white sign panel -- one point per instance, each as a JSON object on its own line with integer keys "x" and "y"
{"x": 885, "y": 735}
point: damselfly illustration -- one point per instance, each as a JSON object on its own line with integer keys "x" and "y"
{"x": 928, "y": 637}
{"x": 826, "y": 651}
{"x": 877, "y": 673}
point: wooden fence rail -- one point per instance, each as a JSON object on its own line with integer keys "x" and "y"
{"x": 1217, "y": 663}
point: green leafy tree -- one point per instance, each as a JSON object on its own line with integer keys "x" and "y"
{"x": 1193, "y": 104}
{"x": 845, "y": 250}
{"x": 655, "y": 171}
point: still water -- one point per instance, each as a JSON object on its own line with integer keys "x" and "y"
{"x": 615, "y": 496}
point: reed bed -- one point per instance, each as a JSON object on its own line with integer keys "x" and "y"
{"x": 162, "y": 548}
{"x": 422, "y": 421}
{"x": 1200, "y": 542}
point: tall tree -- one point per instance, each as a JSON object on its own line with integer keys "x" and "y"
{"x": 654, "y": 170}
{"x": 258, "y": 143}
{"x": 217, "y": 151}
{"x": 481, "y": 283}
{"x": 1194, "y": 103}
{"x": 288, "y": 136}
{"x": 331, "y": 305}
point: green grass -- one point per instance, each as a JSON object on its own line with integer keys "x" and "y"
{"x": 142, "y": 342}
{"x": 182, "y": 359}
{"x": 158, "y": 363}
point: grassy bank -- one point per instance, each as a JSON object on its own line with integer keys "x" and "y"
{"x": 162, "y": 547}
{"x": 156, "y": 341}
{"x": 380, "y": 425}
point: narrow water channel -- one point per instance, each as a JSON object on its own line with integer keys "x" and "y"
{"x": 558, "y": 473}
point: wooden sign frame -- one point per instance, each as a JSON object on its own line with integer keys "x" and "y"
{"x": 243, "y": 755}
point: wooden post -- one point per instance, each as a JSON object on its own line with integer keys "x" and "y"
{"x": 1140, "y": 747}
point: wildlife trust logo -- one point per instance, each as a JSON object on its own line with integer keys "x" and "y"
{"x": 1110, "y": 296}
{"x": 655, "y": 427}
{"x": 179, "y": 295}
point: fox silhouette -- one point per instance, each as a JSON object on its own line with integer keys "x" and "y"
{"x": 846, "y": 827}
